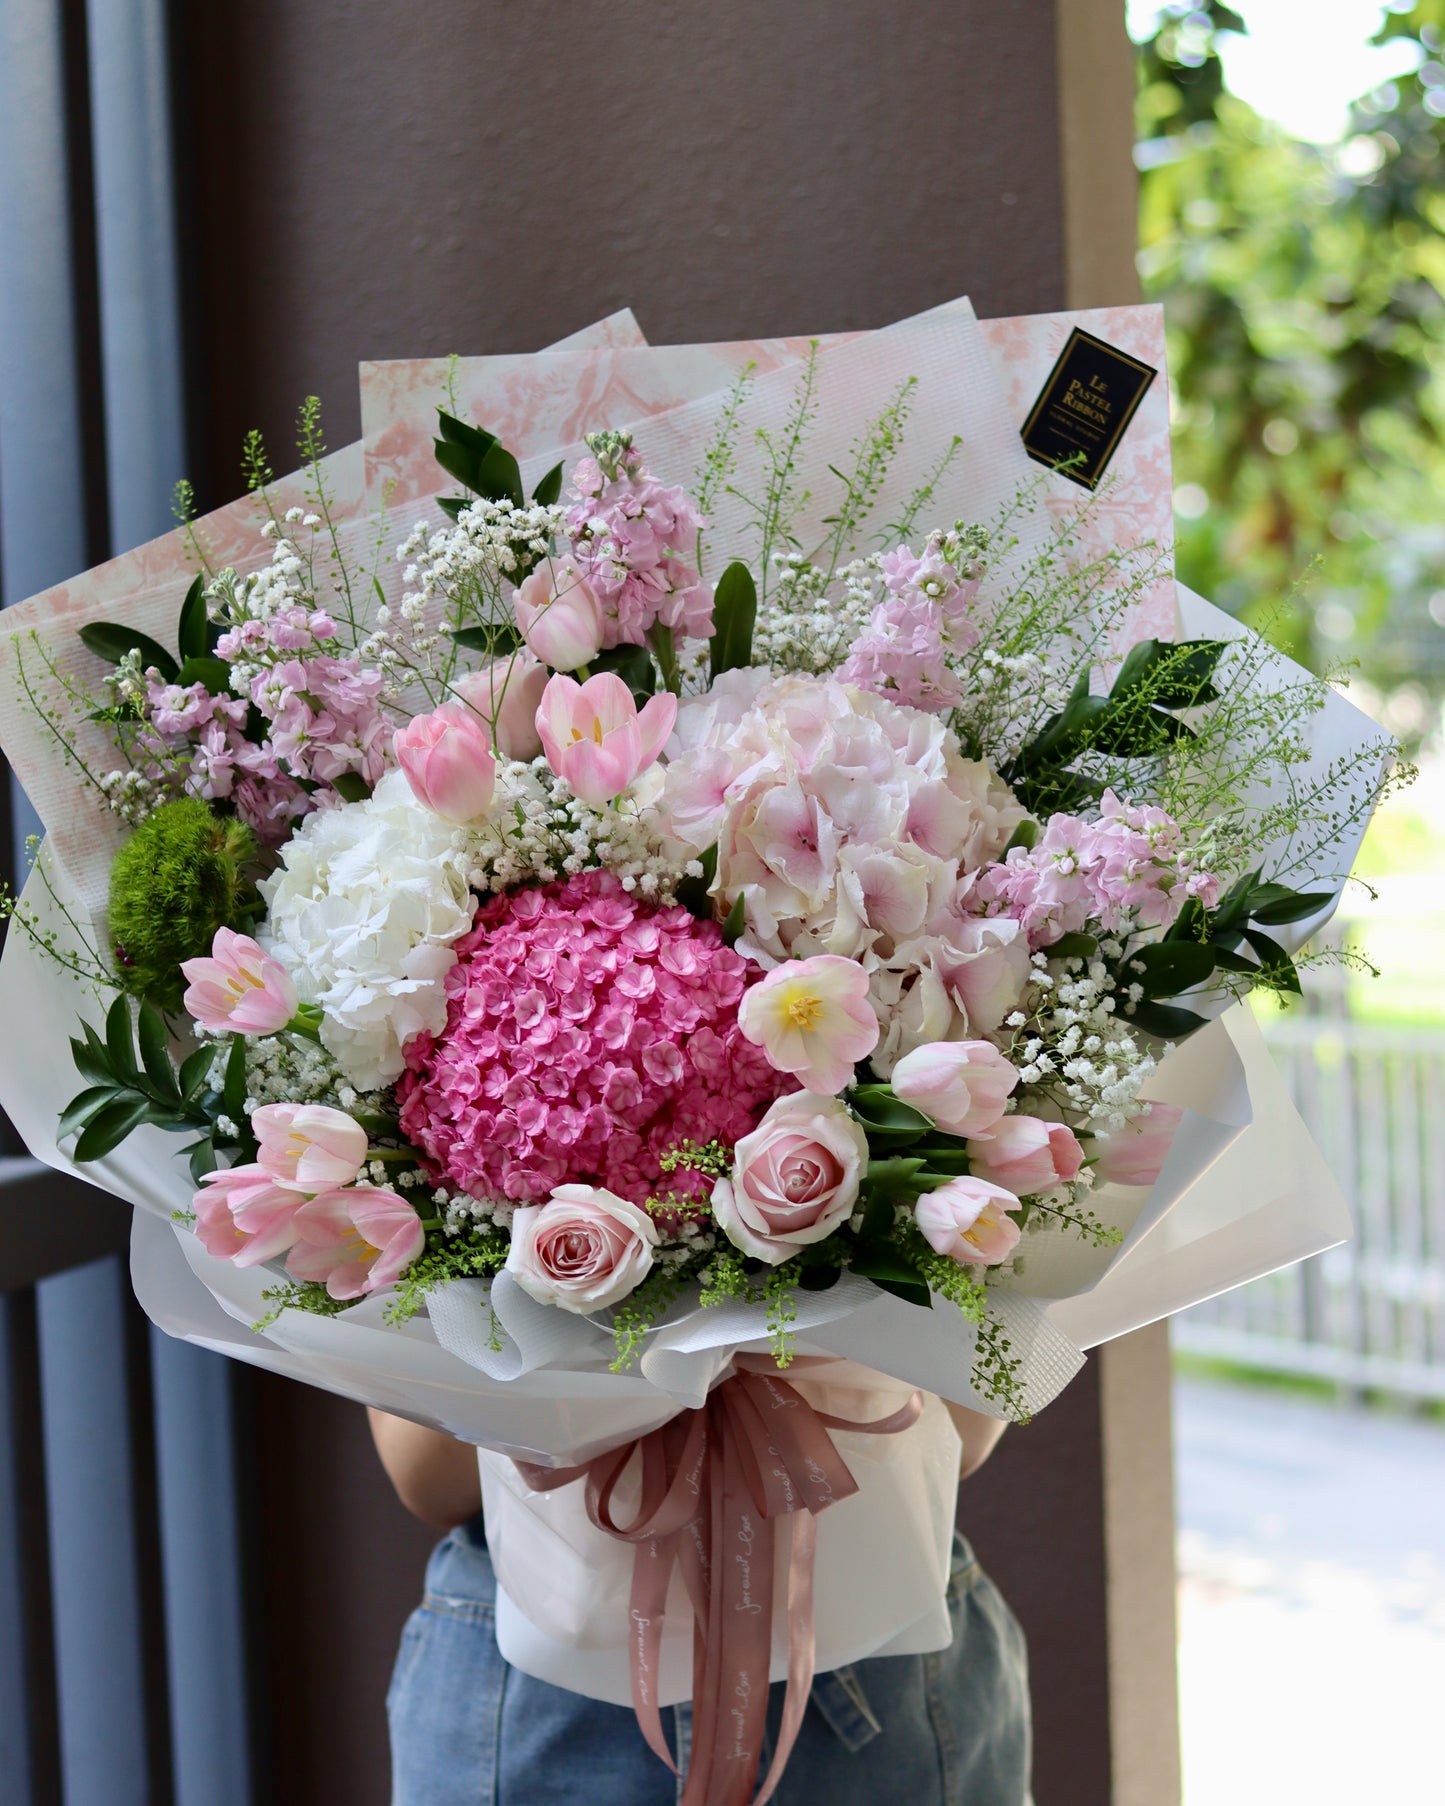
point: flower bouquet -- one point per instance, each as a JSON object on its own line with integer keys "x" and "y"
{"x": 678, "y": 945}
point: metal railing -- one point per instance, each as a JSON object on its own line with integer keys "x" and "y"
{"x": 1369, "y": 1315}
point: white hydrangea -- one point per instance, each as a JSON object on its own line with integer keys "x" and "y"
{"x": 363, "y": 913}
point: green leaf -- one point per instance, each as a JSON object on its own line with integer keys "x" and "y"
{"x": 692, "y": 893}
{"x": 194, "y": 1069}
{"x": 910, "y": 1291}
{"x": 1165, "y": 1020}
{"x": 633, "y": 664}
{"x": 214, "y": 673}
{"x": 1025, "y": 835}
{"x": 1072, "y": 946}
{"x": 499, "y": 477}
{"x": 452, "y": 505}
{"x": 549, "y": 488}
{"x": 1169, "y": 967}
{"x": 1274, "y": 961}
{"x": 196, "y": 633}
{"x": 92, "y": 1061}
{"x": 201, "y": 1158}
{"x": 233, "y": 1092}
{"x": 1229, "y": 961}
{"x": 80, "y": 1110}
{"x": 351, "y": 787}
{"x": 155, "y": 1053}
{"x": 110, "y": 641}
{"x": 883, "y": 1260}
{"x": 818, "y": 1278}
{"x": 736, "y": 922}
{"x": 885, "y": 1116}
{"x": 495, "y": 641}
{"x": 1294, "y": 906}
{"x": 475, "y": 439}
{"x": 110, "y": 1126}
{"x": 895, "y": 1172}
{"x": 734, "y": 615}
{"x": 120, "y": 1040}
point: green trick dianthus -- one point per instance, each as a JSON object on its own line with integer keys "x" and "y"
{"x": 183, "y": 874}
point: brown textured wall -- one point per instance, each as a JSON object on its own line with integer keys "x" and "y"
{"x": 373, "y": 180}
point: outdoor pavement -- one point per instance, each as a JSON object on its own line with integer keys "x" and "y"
{"x": 1311, "y": 1600}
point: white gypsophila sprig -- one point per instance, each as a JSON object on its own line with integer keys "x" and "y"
{"x": 292, "y": 1069}
{"x": 537, "y": 831}
{"x": 1073, "y": 1049}
{"x": 806, "y": 625}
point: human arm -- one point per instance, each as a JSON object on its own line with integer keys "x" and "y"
{"x": 978, "y": 1434}
{"x": 435, "y": 1476}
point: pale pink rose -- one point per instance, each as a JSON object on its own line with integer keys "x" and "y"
{"x": 506, "y": 693}
{"x": 1135, "y": 1154}
{"x": 244, "y": 1216}
{"x": 968, "y": 1220}
{"x": 584, "y": 1249}
{"x": 812, "y": 1017}
{"x": 959, "y": 1085}
{"x": 594, "y": 736}
{"x": 1027, "y": 1155}
{"x": 559, "y": 616}
{"x": 795, "y": 1178}
{"x": 447, "y": 758}
{"x": 308, "y": 1147}
{"x": 355, "y": 1240}
{"x": 239, "y": 989}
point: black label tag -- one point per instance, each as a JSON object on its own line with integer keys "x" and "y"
{"x": 1084, "y": 407}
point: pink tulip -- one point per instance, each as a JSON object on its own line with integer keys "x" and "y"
{"x": 356, "y": 1240}
{"x": 1027, "y": 1155}
{"x": 244, "y": 1216}
{"x": 240, "y": 989}
{"x": 812, "y": 1017}
{"x": 594, "y": 736}
{"x": 506, "y": 693}
{"x": 447, "y": 758}
{"x": 308, "y": 1147}
{"x": 559, "y": 616}
{"x": 968, "y": 1220}
{"x": 1135, "y": 1154}
{"x": 959, "y": 1085}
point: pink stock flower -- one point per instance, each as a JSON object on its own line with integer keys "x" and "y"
{"x": 812, "y": 1018}
{"x": 308, "y": 1147}
{"x": 355, "y": 1240}
{"x": 594, "y": 736}
{"x": 795, "y": 1178}
{"x": 447, "y": 758}
{"x": 1027, "y": 1155}
{"x": 968, "y": 1220}
{"x": 559, "y": 616}
{"x": 1135, "y": 1154}
{"x": 239, "y": 989}
{"x": 584, "y": 1249}
{"x": 244, "y": 1216}
{"x": 507, "y": 693}
{"x": 960, "y": 1085}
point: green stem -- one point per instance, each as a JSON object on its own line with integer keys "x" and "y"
{"x": 664, "y": 648}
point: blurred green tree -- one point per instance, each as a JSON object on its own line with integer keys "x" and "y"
{"x": 1304, "y": 293}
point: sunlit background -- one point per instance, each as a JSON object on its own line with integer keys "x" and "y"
{"x": 1293, "y": 225}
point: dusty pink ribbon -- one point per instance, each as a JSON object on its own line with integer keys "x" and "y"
{"x": 716, "y": 1484}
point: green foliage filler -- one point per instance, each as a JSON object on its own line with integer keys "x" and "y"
{"x": 182, "y": 875}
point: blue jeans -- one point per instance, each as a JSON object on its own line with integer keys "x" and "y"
{"x": 950, "y": 1729}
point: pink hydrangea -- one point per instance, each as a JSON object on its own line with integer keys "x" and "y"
{"x": 587, "y": 1035}
{"x": 1129, "y": 869}
{"x": 635, "y": 541}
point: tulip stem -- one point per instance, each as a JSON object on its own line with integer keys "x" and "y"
{"x": 584, "y": 672}
{"x": 306, "y": 1022}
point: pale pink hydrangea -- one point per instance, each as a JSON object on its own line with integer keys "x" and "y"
{"x": 587, "y": 1035}
{"x": 634, "y": 540}
{"x": 1128, "y": 869}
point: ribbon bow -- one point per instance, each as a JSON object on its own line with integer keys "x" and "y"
{"x": 716, "y": 1484}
